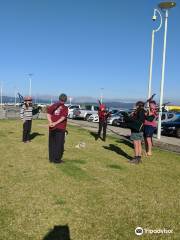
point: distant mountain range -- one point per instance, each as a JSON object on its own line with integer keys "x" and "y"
{"x": 116, "y": 103}
{"x": 77, "y": 100}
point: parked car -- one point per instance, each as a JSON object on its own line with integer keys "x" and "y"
{"x": 86, "y": 112}
{"x": 93, "y": 118}
{"x": 120, "y": 121}
{"x": 169, "y": 116}
{"x": 71, "y": 110}
{"x": 113, "y": 110}
{"x": 115, "y": 119}
{"x": 172, "y": 127}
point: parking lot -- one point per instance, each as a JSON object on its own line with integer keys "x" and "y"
{"x": 167, "y": 143}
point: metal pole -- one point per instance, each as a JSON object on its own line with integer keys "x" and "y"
{"x": 162, "y": 76}
{"x": 151, "y": 64}
{"x": 101, "y": 97}
{"x": 1, "y": 94}
{"x": 29, "y": 86}
{"x": 30, "y": 83}
{"x": 15, "y": 97}
{"x": 152, "y": 50}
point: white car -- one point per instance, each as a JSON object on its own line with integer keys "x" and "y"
{"x": 71, "y": 110}
{"x": 85, "y": 112}
{"x": 93, "y": 118}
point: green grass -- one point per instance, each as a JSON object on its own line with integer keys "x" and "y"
{"x": 96, "y": 193}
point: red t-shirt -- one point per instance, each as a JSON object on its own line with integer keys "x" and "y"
{"x": 57, "y": 111}
{"x": 103, "y": 115}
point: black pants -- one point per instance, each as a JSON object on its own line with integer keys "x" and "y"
{"x": 26, "y": 130}
{"x": 56, "y": 145}
{"x": 102, "y": 126}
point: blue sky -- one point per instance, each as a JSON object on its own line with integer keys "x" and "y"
{"x": 81, "y": 46}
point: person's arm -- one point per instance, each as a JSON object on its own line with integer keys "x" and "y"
{"x": 50, "y": 111}
{"x": 22, "y": 113}
{"x": 53, "y": 124}
{"x": 49, "y": 118}
{"x": 62, "y": 118}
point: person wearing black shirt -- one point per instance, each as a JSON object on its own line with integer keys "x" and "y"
{"x": 135, "y": 122}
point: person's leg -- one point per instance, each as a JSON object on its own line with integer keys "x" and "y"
{"x": 139, "y": 148}
{"x": 59, "y": 146}
{"x": 25, "y": 130}
{"x": 147, "y": 130}
{"x": 62, "y": 141}
{"x": 136, "y": 148}
{"x": 145, "y": 139}
{"x": 51, "y": 146}
{"x": 135, "y": 160}
{"x": 29, "y": 124}
{"x": 104, "y": 131}
{"x": 100, "y": 129}
{"x": 149, "y": 143}
{"x": 146, "y": 144}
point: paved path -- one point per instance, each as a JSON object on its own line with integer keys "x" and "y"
{"x": 167, "y": 143}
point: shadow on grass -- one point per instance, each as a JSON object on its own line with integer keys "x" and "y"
{"x": 114, "y": 166}
{"x": 35, "y": 134}
{"x": 118, "y": 150}
{"x": 94, "y": 134}
{"x": 58, "y": 233}
{"x": 70, "y": 169}
{"x": 127, "y": 142}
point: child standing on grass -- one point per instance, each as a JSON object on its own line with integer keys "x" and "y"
{"x": 149, "y": 127}
{"x": 135, "y": 122}
{"x": 138, "y": 118}
{"x": 26, "y": 115}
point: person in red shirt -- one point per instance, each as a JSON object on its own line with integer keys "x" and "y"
{"x": 57, "y": 118}
{"x": 150, "y": 126}
{"x": 103, "y": 115}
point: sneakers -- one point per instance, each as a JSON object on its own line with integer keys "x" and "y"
{"x": 136, "y": 160}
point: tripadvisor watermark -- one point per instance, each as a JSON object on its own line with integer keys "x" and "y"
{"x": 140, "y": 231}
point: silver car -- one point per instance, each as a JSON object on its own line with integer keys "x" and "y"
{"x": 115, "y": 119}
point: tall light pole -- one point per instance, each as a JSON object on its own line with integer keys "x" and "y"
{"x": 164, "y": 6}
{"x": 152, "y": 50}
{"x": 101, "y": 95}
{"x": 30, "y": 83}
{"x": 15, "y": 94}
{"x": 1, "y": 90}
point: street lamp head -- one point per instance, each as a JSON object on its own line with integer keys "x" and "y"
{"x": 154, "y": 17}
{"x": 166, "y": 5}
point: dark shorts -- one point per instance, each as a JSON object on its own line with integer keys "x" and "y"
{"x": 136, "y": 136}
{"x": 149, "y": 131}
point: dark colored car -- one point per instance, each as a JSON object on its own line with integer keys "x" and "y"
{"x": 172, "y": 127}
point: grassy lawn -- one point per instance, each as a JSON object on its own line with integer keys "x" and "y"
{"x": 96, "y": 194}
